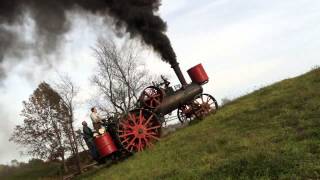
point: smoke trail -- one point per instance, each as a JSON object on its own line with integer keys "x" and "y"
{"x": 138, "y": 17}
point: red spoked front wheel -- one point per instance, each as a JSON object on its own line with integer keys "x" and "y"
{"x": 205, "y": 104}
{"x": 185, "y": 113}
{"x": 201, "y": 106}
{"x": 138, "y": 130}
{"x": 151, "y": 97}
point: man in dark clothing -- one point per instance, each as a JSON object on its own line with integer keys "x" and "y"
{"x": 88, "y": 138}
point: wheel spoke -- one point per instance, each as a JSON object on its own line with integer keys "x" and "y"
{"x": 202, "y": 99}
{"x": 155, "y": 127}
{"x": 147, "y": 94}
{"x": 140, "y": 117}
{"x": 211, "y": 103}
{"x": 125, "y": 135}
{"x": 126, "y": 140}
{"x": 152, "y": 103}
{"x": 198, "y": 111}
{"x": 196, "y": 102}
{"x": 132, "y": 141}
{"x": 152, "y": 136}
{"x": 126, "y": 126}
{"x": 124, "y": 131}
{"x": 158, "y": 102}
{"x": 133, "y": 120}
{"x": 148, "y": 120}
{"x": 148, "y": 143}
{"x": 208, "y": 98}
{"x": 140, "y": 145}
{"x": 131, "y": 148}
{"x": 152, "y": 133}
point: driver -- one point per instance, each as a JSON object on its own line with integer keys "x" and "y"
{"x": 96, "y": 119}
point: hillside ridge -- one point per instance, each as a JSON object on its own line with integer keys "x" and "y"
{"x": 271, "y": 133}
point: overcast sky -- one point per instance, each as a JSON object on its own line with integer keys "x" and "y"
{"x": 243, "y": 45}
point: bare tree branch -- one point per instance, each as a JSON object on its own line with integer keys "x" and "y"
{"x": 68, "y": 91}
{"x": 120, "y": 75}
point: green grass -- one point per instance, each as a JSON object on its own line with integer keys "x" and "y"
{"x": 38, "y": 169}
{"x": 32, "y": 172}
{"x": 272, "y": 133}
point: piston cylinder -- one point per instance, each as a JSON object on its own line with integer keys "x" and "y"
{"x": 179, "y": 98}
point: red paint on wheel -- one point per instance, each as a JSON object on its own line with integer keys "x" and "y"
{"x": 138, "y": 130}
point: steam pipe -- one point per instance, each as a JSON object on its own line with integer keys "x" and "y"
{"x": 179, "y": 74}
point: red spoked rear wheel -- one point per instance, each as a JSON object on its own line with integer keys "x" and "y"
{"x": 151, "y": 97}
{"x": 139, "y": 130}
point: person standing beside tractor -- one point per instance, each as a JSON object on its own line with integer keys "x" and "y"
{"x": 88, "y": 138}
{"x": 96, "y": 119}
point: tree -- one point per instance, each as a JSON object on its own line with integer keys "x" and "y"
{"x": 41, "y": 133}
{"x": 68, "y": 91}
{"x": 79, "y": 138}
{"x": 14, "y": 163}
{"x": 120, "y": 76}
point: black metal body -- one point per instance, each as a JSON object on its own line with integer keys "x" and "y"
{"x": 180, "y": 97}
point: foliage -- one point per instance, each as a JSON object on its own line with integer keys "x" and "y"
{"x": 41, "y": 133}
{"x": 34, "y": 169}
{"x": 39, "y": 169}
{"x": 273, "y": 133}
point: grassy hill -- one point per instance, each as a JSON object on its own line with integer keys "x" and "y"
{"x": 39, "y": 169}
{"x": 36, "y": 170}
{"x": 272, "y": 133}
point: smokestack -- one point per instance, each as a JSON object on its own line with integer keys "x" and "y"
{"x": 179, "y": 74}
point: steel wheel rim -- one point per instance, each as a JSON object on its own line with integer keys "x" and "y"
{"x": 206, "y": 104}
{"x": 139, "y": 130}
{"x": 182, "y": 116}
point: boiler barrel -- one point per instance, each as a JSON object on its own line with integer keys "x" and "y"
{"x": 179, "y": 98}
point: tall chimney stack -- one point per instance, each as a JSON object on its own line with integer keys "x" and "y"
{"x": 179, "y": 74}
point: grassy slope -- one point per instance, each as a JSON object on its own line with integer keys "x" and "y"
{"x": 43, "y": 171}
{"x": 271, "y": 133}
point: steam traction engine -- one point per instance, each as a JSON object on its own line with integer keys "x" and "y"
{"x": 140, "y": 128}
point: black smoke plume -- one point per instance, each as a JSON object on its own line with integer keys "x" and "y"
{"x": 137, "y": 17}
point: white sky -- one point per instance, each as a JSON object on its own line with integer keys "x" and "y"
{"x": 243, "y": 45}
